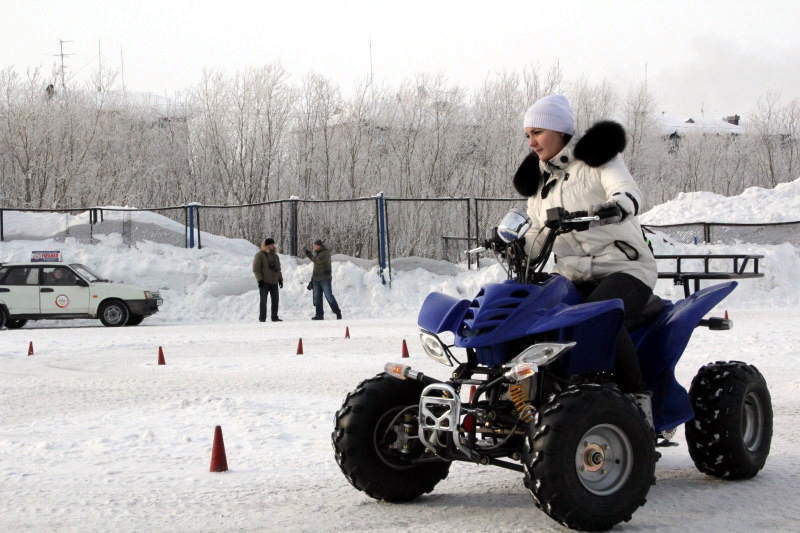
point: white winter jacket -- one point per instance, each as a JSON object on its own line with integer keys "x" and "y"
{"x": 589, "y": 171}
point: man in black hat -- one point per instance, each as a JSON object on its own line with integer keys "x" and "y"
{"x": 267, "y": 269}
{"x": 321, "y": 280}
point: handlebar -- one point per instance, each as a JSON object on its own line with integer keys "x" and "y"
{"x": 527, "y": 269}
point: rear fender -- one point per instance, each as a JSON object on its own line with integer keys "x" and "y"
{"x": 660, "y": 346}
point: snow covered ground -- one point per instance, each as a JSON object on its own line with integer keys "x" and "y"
{"x": 96, "y": 436}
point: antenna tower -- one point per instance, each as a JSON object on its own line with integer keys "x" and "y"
{"x": 61, "y": 54}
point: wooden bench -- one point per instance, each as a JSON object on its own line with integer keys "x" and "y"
{"x": 743, "y": 266}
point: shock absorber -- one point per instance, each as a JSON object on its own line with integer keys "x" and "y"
{"x": 518, "y": 395}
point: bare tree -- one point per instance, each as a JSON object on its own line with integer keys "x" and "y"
{"x": 538, "y": 84}
{"x": 592, "y": 102}
{"x": 767, "y": 125}
{"x": 499, "y": 144}
{"x": 238, "y": 132}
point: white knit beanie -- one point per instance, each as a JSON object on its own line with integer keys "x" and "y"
{"x": 551, "y": 113}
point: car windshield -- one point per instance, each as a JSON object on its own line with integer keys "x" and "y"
{"x": 86, "y": 273}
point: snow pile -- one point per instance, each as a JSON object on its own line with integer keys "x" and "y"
{"x": 754, "y": 206}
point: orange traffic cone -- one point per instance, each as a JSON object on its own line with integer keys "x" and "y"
{"x": 347, "y": 333}
{"x": 405, "y": 349}
{"x": 726, "y": 314}
{"x": 30, "y": 348}
{"x": 161, "y": 356}
{"x": 300, "y": 347}
{"x": 219, "y": 463}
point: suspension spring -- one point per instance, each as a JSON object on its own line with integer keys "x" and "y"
{"x": 525, "y": 410}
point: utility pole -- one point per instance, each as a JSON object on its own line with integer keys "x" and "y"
{"x": 122, "y": 67}
{"x": 371, "y": 84}
{"x": 63, "y": 66}
{"x": 99, "y": 66}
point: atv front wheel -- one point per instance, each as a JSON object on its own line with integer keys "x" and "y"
{"x": 590, "y": 458}
{"x": 731, "y": 433}
{"x": 376, "y": 444}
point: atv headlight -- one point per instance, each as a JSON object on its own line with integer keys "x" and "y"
{"x": 435, "y": 348}
{"x": 528, "y": 362}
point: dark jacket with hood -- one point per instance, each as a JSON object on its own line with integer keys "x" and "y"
{"x": 267, "y": 266}
{"x": 588, "y": 171}
{"x": 322, "y": 265}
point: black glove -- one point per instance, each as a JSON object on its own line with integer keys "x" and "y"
{"x": 609, "y": 213}
{"x": 310, "y": 285}
{"x": 260, "y": 284}
{"x": 280, "y": 284}
{"x": 309, "y": 254}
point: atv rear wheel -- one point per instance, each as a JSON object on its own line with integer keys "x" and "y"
{"x": 731, "y": 433}
{"x": 590, "y": 458}
{"x": 376, "y": 444}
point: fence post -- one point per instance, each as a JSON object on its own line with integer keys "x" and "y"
{"x": 469, "y": 232}
{"x": 199, "y": 244}
{"x": 381, "y": 207}
{"x": 477, "y": 233}
{"x": 292, "y": 226}
{"x": 190, "y": 219}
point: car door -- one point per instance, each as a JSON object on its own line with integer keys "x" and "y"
{"x": 60, "y": 293}
{"x": 19, "y": 289}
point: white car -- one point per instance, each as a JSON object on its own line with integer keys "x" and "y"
{"x": 57, "y": 291}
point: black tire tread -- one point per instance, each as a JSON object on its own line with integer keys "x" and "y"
{"x": 105, "y": 305}
{"x": 714, "y": 436}
{"x": 356, "y": 454}
{"x": 558, "y": 492}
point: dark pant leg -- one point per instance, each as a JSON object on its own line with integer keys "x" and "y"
{"x": 273, "y": 294}
{"x": 262, "y": 303}
{"x": 634, "y": 295}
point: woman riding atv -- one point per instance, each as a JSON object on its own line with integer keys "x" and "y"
{"x": 611, "y": 259}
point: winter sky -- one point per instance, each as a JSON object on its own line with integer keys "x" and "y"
{"x": 716, "y": 57}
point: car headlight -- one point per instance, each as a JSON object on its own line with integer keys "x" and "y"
{"x": 435, "y": 348}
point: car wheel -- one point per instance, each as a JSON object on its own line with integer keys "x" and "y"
{"x": 15, "y": 324}
{"x": 114, "y": 314}
{"x": 134, "y": 320}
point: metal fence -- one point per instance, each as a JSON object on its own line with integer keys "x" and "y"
{"x": 373, "y": 228}
{"x": 719, "y": 233}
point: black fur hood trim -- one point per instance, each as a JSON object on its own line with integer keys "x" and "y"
{"x": 599, "y": 145}
{"x": 526, "y": 178}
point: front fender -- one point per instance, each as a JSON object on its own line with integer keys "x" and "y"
{"x": 440, "y": 312}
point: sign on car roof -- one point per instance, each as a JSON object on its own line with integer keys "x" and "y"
{"x": 41, "y": 255}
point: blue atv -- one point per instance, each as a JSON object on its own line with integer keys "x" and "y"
{"x": 535, "y": 393}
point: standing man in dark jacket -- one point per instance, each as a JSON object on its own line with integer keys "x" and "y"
{"x": 321, "y": 280}
{"x": 267, "y": 269}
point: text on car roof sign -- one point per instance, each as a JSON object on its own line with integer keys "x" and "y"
{"x": 41, "y": 255}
